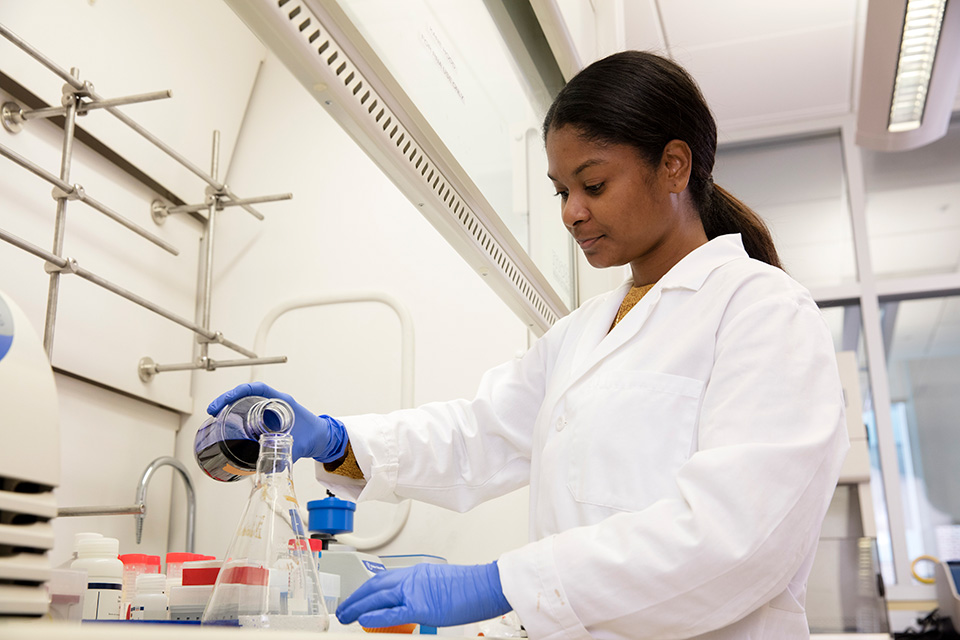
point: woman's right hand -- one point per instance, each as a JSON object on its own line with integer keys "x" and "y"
{"x": 319, "y": 437}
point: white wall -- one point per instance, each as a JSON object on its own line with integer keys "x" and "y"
{"x": 347, "y": 228}
{"x": 112, "y": 424}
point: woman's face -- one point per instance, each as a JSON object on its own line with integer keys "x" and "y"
{"x": 621, "y": 209}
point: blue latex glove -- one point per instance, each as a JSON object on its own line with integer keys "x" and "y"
{"x": 319, "y": 437}
{"x": 438, "y": 595}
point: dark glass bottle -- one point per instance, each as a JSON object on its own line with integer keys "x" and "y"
{"x": 227, "y": 445}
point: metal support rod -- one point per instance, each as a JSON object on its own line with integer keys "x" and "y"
{"x": 243, "y": 362}
{"x": 134, "y": 509}
{"x": 60, "y": 223}
{"x": 152, "y": 368}
{"x": 122, "y": 117}
{"x": 85, "y": 107}
{"x": 210, "y": 225}
{"x": 71, "y": 266}
{"x": 39, "y": 57}
{"x": 194, "y": 208}
{"x": 73, "y": 192}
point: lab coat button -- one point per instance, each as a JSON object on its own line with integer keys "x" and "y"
{"x": 561, "y": 423}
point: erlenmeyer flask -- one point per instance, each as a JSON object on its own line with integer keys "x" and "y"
{"x": 269, "y": 577}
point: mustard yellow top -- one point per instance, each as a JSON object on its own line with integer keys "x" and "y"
{"x": 630, "y": 301}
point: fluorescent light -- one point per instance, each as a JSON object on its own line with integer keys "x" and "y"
{"x": 918, "y": 47}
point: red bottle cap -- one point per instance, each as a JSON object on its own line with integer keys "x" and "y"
{"x": 310, "y": 543}
{"x": 135, "y": 558}
{"x": 179, "y": 556}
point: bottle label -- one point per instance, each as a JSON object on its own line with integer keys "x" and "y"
{"x": 102, "y": 601}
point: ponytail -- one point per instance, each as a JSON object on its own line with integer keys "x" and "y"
{"x": 723, "y": 213}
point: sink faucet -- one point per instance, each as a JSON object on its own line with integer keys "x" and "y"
{"x": 191, "y": 497}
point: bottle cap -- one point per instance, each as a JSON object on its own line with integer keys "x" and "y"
{"x": 134, "y": 558}
{"x": 99, "y": 547}
{"x": 84, "y": 535}
{"x": 154, "y": 562}
{"x": 180, "y": 556}
{"x": 151, "y": 582}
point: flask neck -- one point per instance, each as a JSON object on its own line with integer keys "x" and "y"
{"x": 276, "y": 455}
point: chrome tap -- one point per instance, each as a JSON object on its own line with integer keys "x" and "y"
{"x": 191, "y": 497}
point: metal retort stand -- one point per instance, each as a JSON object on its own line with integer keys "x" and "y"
{"x": 78, "y": 98}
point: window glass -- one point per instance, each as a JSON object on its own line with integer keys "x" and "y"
{"x": 913, "y": 208}
{"x": 923, "y": 361}
{"x": 846, "y": 327}
{"x": 797, "y": 187}
{"x": 453, "y": 62}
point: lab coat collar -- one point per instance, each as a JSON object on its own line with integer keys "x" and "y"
{"x": 597, "y": 341}
{"x": 692, "y": 270}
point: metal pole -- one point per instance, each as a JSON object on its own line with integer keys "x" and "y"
{"x": 194, "y": 208}
{"x": 255, "y": 200}
{"x": 210, "y": 364}
{"x": 42, "y": 59}
{"x": 134, "y": 509}
{"x": 85, "y": 107}
{"x": 72, "y": 267}
{"x": 74, "y": 193}
{"x": 206, "y": 292}
{"x": 53, "y": 289}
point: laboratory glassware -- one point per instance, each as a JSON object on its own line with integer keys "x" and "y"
{"x": 269, "y": 578}
{"x": 227, "y": 445}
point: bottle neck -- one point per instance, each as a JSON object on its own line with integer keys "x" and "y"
{"x": 270, "y": 416}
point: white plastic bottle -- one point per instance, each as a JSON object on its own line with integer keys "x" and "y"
{"x": 151, "y": 602}
{"x": 98, "y": 557}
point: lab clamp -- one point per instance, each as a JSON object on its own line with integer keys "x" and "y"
{"x": 78, "y": 99}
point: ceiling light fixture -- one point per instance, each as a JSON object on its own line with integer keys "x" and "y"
{"x": 918, "y": 50}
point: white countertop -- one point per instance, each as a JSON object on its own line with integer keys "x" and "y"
{"x": 47, "y": 630}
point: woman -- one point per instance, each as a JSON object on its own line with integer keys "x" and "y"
{"x": 682, "y": 436}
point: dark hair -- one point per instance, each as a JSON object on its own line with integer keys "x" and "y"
{"x": 645, "y": 101}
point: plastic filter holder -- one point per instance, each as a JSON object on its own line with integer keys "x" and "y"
{"x": 330, "y": 515}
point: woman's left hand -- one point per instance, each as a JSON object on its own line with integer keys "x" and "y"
{"x": 438, "y": 595}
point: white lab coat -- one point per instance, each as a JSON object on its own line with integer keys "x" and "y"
{"x": 679, "y": 466}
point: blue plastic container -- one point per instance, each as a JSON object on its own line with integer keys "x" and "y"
{"x": 330, "y": 515}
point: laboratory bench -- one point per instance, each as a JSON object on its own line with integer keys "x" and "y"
{"x": 61, "y": 631}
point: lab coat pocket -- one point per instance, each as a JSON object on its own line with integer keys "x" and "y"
{"x": 632, "y": 431}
